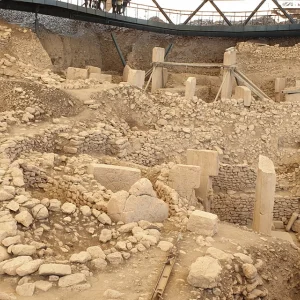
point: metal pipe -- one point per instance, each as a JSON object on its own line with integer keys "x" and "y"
{"x": 119, "y": 50}
{"x": 254, "y": 12}
{"x": 195, "y": 11}
{"x": 162, "y": 11}
{"x": 284, "y": 11}
{"x": 220, "y": 12}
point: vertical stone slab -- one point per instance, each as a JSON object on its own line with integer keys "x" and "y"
{"x": 280, "y": 84}
{"x": 242, "y": 92}
{"x": 158, "y": 55}
{"x": 136, "y": 78}
{"x": 229, "y": 61}
{"x": 190, "y": 88}
{"x": 184, "y": 179}
{"x": 126, "y": 73}
{"x": 264, "y": 196}
{"x": 208, "y": 161}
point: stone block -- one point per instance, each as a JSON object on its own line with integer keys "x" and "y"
{"x": 92, "y": 69}
{"x": 126, "y": 71}
{"x": 140, "y": 204}
{"x": 76, "y": 73}
{"x": 115, "y": 178}
{"x": 264, "y": 196}
{"x": 296, "y": 226}
{"x": 106, "y": 77}
{"x": 205, "y": 273}
{"x": 158, "y": 54}
{"x": 54, "y": 269}
{"x": 229, "y": 57}
{"x": 283, "y": 236}
{"x": 190, "y": 88}
{"x": 280, "y": 84}
{"x": 136, "y": 77}
{"x": 184, "y": 179}
{"x": 207, "y": 160}
{"x": 242, "y": 92}
{"x": 203, "y": 223}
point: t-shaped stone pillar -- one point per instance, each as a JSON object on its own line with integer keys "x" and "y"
{"x": 190, "y": 88}
{"x": 184, "y": 180}
{"x": 228, "y": 78}
{"x": 208, "y": 161}
{"x": 158, "y": 55}
{"x": 264, "y": 196}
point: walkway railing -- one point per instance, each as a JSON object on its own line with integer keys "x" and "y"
{"x": 178, "y": 17}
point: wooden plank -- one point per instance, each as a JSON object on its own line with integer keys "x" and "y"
{"x": 297, "y": 91}
{"x": 199, "y": 65}
{"x": 245, "y": 79}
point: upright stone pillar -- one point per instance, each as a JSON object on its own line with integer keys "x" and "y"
{"x": 158, "y": 55}
{"x": 264, "y": 196}
{"x": 242, "y": 92}
{"x": 136, "y": 78}
{"x": 228, "y": 78}
{"x": 280, "y": 84}
{"x": 208, "y": 161}
{"x": 190, "y": 88}
{"x": 184, "y": 179}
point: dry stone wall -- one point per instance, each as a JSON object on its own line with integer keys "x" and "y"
{"x": 234, "y": 177}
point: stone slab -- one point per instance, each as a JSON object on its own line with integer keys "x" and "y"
{"x": 203, "y": 223}
{"x": 136, "y": 78}
{"x": 208, "y": 160}
{"x": 76, "y": 73}
{"x": 190, "y": 88}
{"x": 115, "y": 178}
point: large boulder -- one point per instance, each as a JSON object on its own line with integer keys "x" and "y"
{"x": 142, "y": 204}
{"x": 13, "y": 264}
{"x": 205, "y": 273}
{"x": 21, "y": 250}
{"x": 203, "y": 223}
{"x": 29, "y": 267}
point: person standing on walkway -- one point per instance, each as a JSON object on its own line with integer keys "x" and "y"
{"x": 119, "y": 6}
{"x": 125, "y": 3}
{"x": 114, "y": 5}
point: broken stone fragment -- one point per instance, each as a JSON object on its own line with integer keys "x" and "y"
{"x": 26, "y": 289}
{"x": 205, "y": 273}
{"x": 72, "y": 279}
{"x": 24, "y": 218}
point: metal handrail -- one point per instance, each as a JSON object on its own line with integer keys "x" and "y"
{"x": 201, "y": 18}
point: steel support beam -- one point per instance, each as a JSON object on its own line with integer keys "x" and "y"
{"x": 284, "y": 11}
{"x": 162, "y": 11}
{"x": 254, "y": 12}
{"x": 195, "y": 11}
{"x": 220, "y": 12}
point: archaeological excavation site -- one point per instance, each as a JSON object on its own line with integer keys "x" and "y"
{"x": 141, "y": 165}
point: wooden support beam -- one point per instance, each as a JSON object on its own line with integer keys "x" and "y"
{"x": 220, "y": 12}
{"x": 254, "y": 12}
{"x": 284, "y": 11}
{"x": 195, "y": 11}
{"x": 199, "y": 65}
{"x": 162, "y": 11}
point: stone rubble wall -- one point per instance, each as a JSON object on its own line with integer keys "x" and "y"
{"x": 234, "y": 177}
{"x": 238, "y": 208}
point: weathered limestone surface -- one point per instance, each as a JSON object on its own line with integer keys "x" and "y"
{"x": 184, "y": 179}
{"x": 139, "y": 204}
{"x": 136, "y": 78}
{"x": 92, "y": 69}
{"x": 280, "y": 84}
{"x": 203, "y": 223}
{"x": 76, "y": 73}
{"x": 205, "y": 273}
{"x": 55, "y": 269}
{"x": 115, "y": 178}
{"x": 242, "y": 92}
{"x": 190, "y": 88}
{"x": 158, "y": 55}
{"x": 208, "y": 160}
{"x": 228, "y": 79}
{"x": 126, "y": 73}
{"x": 264, "y": 196}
